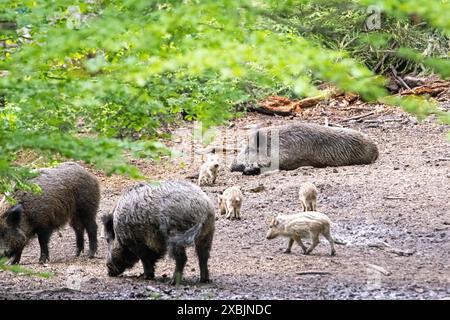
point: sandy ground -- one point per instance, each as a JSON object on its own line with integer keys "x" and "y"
{"x": 394, "y": 216}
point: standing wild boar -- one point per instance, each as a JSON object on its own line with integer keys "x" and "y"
{"x": 308, "y": 196}
{"x": 301, "y": 225}
{"x": 295, "y": 145}
{"x": 209, "y": 171}
{"x": 230, "y": 202}
{"x": 147, "y": 219}
{"x": 68, "y": 194}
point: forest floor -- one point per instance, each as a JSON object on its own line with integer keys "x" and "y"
{"x": 394, "y": 216}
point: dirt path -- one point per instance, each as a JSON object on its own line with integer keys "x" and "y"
{"x": 394, "y": 216}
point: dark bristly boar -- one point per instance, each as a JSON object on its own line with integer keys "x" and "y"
{"x": 148, "y": 219}
{"x": 310, "y": 224}
{"x": 292, "y": 146}
{"x": 69, "y": 193}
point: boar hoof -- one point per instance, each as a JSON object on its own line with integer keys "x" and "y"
{"x": 205, "y": 281}
{"x": 333, "y": 252}
{"x": 287, "y": 251}
{"x": 12, "y": 261}
{"x": 43, "y": 260}
{"x": 78, "y": 252}
{"x": 149, "y": 276}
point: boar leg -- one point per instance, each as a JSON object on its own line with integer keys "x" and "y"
{"x": 15, "y": 258}
{"x": 291, "y": 242}
{"x": 79, "y": 235}
{"x": 228, "y": 216}
{"x": 304, "y": 207}
{"x": 91, "y": 229}
{"x": 179, "y": 254}
{"x": 44, "y": 238}
{"x": 300, "y": 243}
{"x": 202, "y": 247}
{"x": 327, "y": 235}
{"x": 315, "y": 242}
{"x": 148, "y": 258}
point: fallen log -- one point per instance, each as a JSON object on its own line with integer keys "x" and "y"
{"x": 432, "y": 89}
{"x": 276, "y": 105}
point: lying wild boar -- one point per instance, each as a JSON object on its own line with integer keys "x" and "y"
{"x": 147, "y": 219}
{"x": 230, "y": 202}
{"x": 209, "y": 171}
{"x": 302, "y": 225}
{"x": 308, "y": 196}
{"x": 69, "y": 194}
{"x": 295, "y": 145}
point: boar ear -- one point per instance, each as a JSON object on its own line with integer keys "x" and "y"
{"x": 274, "y": 221}
{"x": 108, "y": 225}
{"x": 14, "y": 215}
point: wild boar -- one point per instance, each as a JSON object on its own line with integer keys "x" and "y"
{"x": 230, "y": 202}
{"x": 69, "y": 193}
{"x": 310, "y": 224}
{"x": 148, "y": 219}
{"x": 308, "y": 196}
{"x": 209, "y": 170}
{"x": 291, "y": 146}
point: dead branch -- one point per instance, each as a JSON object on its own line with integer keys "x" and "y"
{"x": 43, "y": 291}
{"x": 394, "y": 198}
{"x": 216, "y": 149}
{"x": 381, "y": 270}
{"x": 360, "y": 116}
{"x": 386, "y": 247}
{"x": 192, "y": 176}
{"x": 399, "y": 79}
{"x": 302, "y": 273}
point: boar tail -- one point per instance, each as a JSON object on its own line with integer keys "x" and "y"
{"x": 187, "y": 238}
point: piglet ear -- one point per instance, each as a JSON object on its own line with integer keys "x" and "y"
{"x": 272, "y": 221}
{"x": 14, "y": 215}
{"x": 276, "y": 221}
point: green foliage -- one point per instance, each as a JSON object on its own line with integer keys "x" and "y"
{"x": 19, "y": 269}
{"x": 101, "y": 81}
{"x": 340, "y": 25}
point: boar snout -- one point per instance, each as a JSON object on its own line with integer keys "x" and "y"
{"x": 271, "y": 234}
{"x": 113, "y": 271}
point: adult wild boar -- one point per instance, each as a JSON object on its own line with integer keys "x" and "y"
{"x": 295, "y": 145}
{"x": 148, "y": 219}
{"x": 69, "y": 193}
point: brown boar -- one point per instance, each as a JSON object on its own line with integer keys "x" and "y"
{"x": 69, "y": 193}
{"x": 291, "y": 146}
